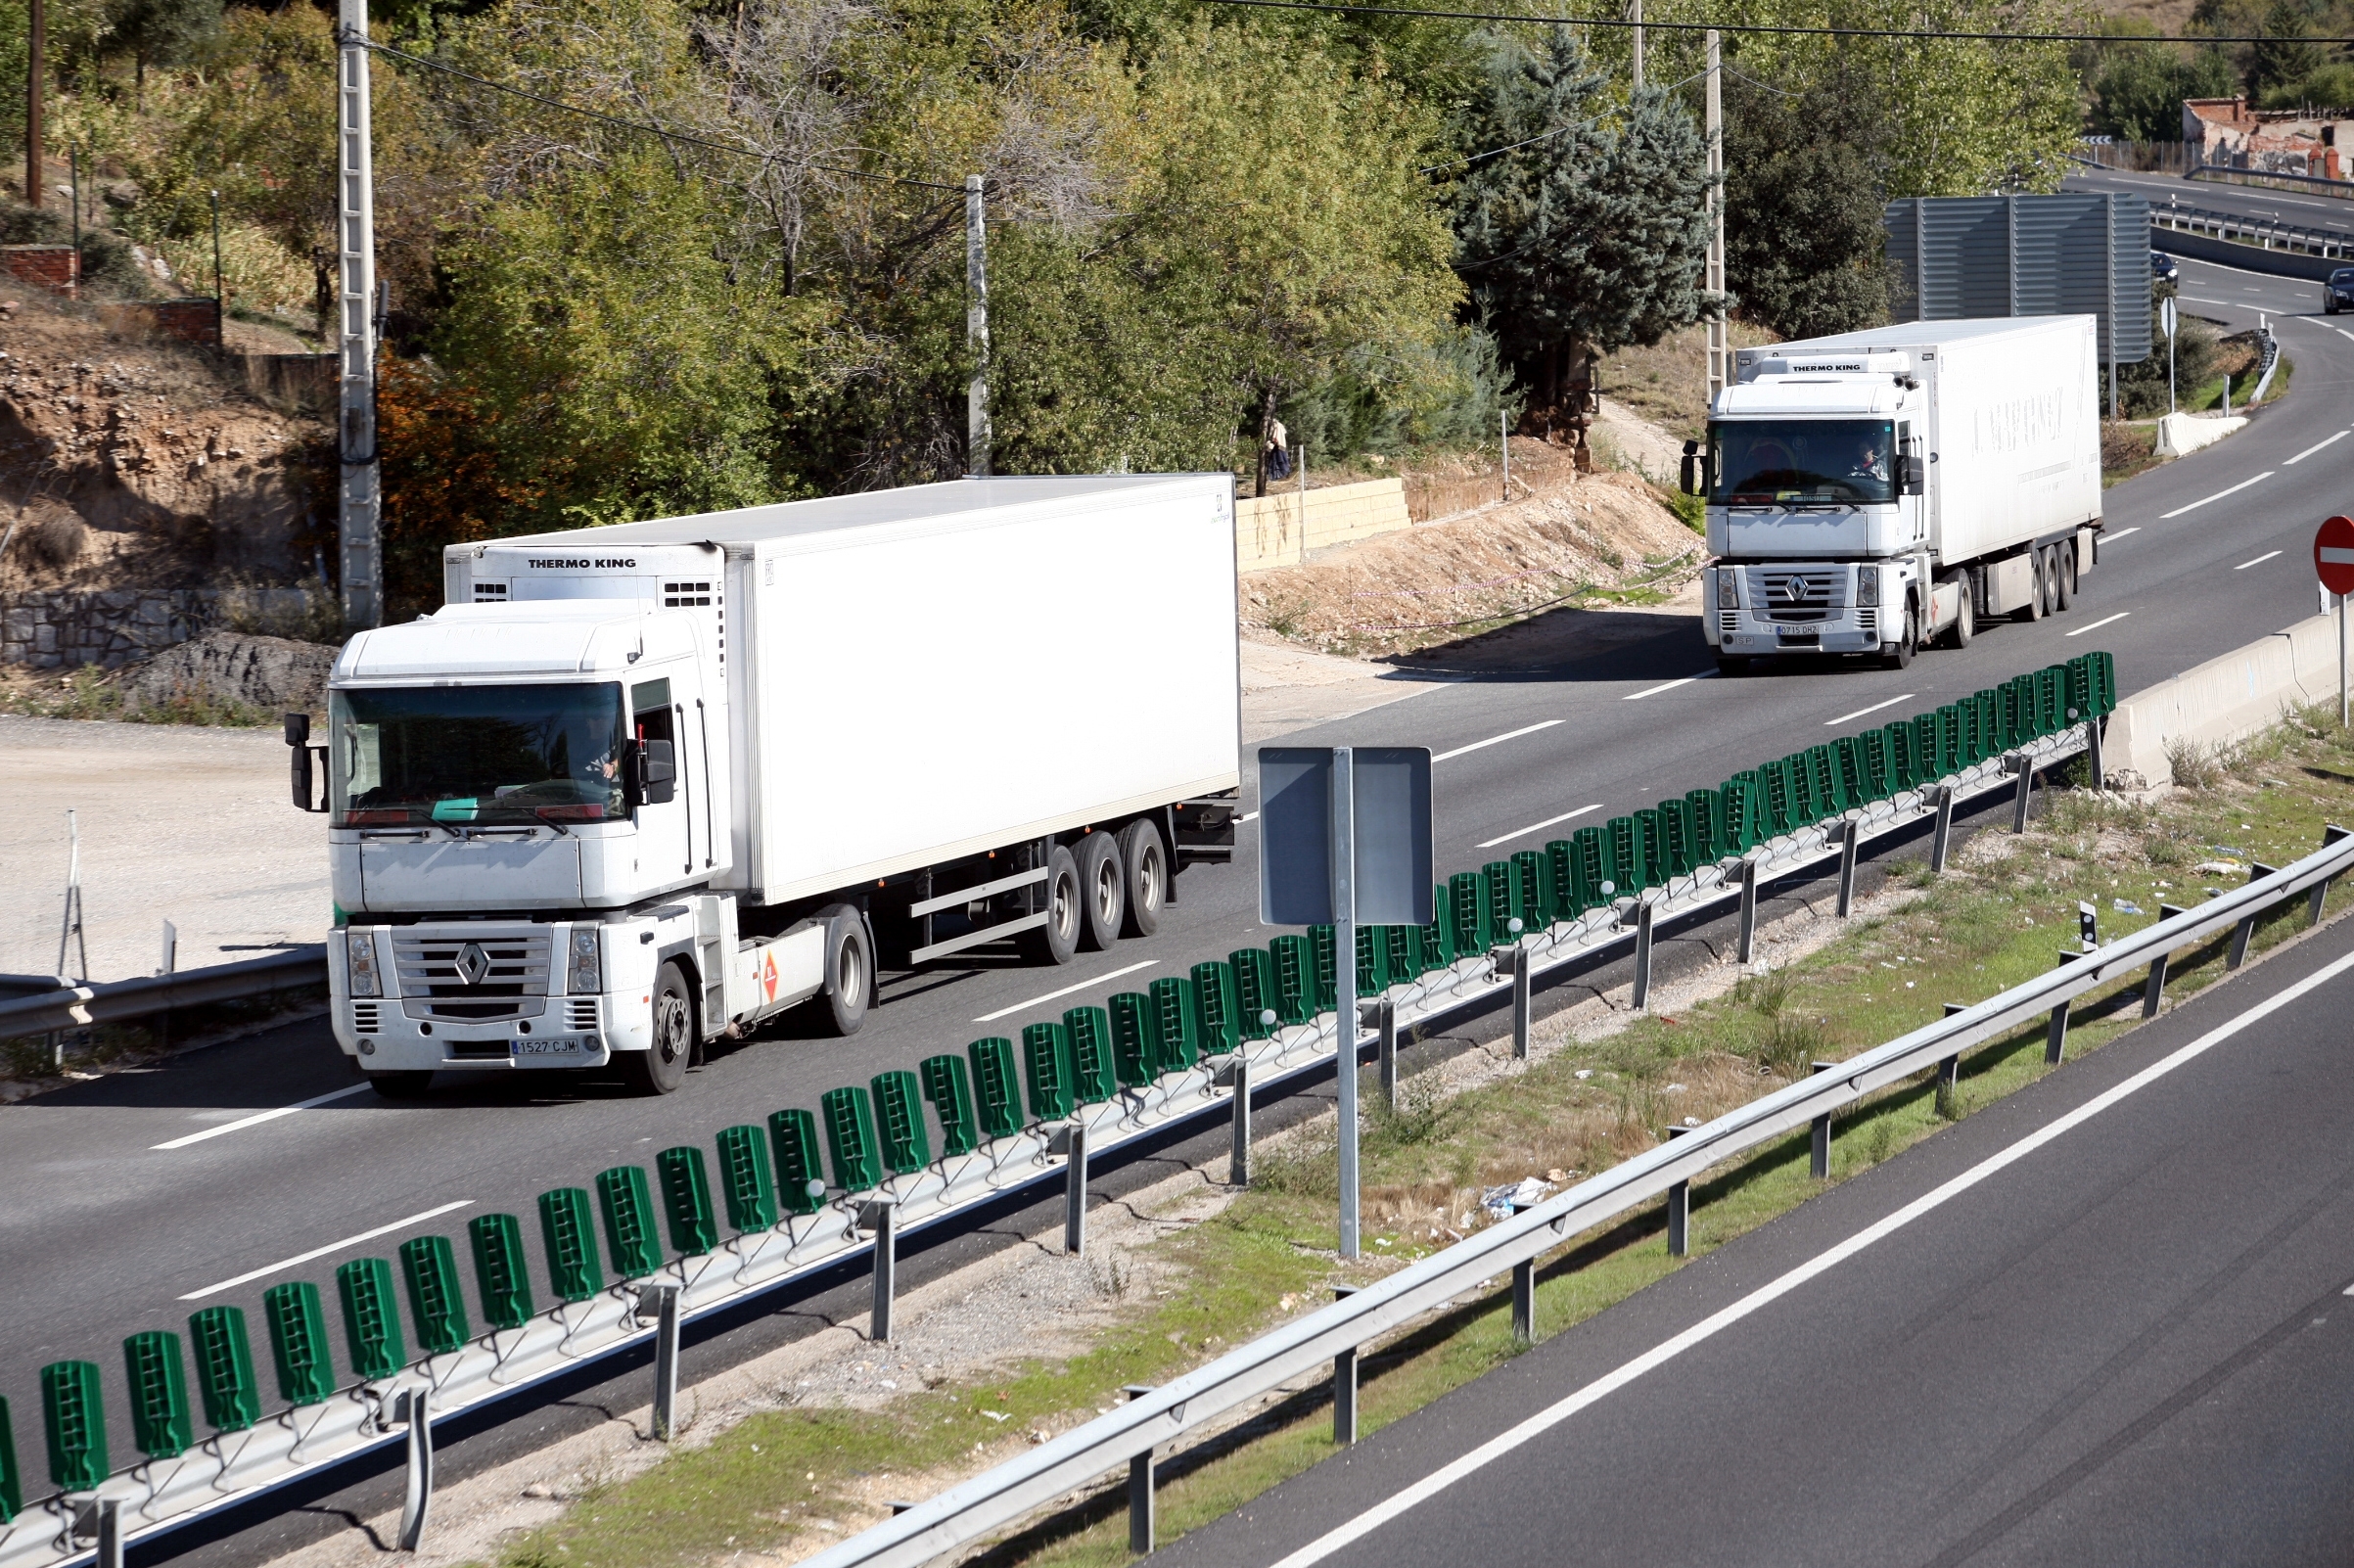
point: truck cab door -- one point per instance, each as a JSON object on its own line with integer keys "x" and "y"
{"x": 659, "y": 786}
{"x": 1912, "y": 490}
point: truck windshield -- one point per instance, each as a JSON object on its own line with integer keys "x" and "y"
{"x": 1794, "y": 462}
{"x": 477, "y": 754}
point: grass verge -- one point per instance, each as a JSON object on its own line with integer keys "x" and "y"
{"x": 783, "y": 1484}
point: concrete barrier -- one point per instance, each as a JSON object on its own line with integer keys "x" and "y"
{"x": 2181, "y": 434}
{"x": 2221, "y": 702}
{"x": 1287, "y": 527}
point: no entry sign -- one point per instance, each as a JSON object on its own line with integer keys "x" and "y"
{"x": 2333, "y": 555}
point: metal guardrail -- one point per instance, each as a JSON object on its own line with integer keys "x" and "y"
{"x": 228, "y": 1467}
{"x": 70, "y": 1006}
{"x": 1132, "y": 1433}
{"x": 2265, "y": 233}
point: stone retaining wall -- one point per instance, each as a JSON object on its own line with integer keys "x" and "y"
{"x": 118, "y": 625}
{"x": 1287, "y": 525}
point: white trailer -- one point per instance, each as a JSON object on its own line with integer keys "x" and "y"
{"x": 635, "y": 787}
{"x": 1872, "y": 492}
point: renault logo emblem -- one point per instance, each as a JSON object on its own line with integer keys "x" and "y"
{"x": 473, "y": 963}
{"x": 1794, "y": 588}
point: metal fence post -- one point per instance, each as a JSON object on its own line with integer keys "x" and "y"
{"x": 879, "y": 1215}
{"x": 1521, "y": 972}
{"x": 1075, "y": 1192}
{"x": 1748, "y": 943}
{"x": 1679, "y": 1219}
{"x": 1386, "y": 1018}
{"x": 1642, "y": 956}
{"x": 2154, "y": 990}
{"x": 2091, "y": 751}
{"x": 1238, "y": 1153}
{"x": 1944, "y": 838}
{"x": 1524, "y": 1300}
{"x": 2055, "y": 1037}
{"x": 660, "y": 1302}
{"x": 1344, "y": 1385}
{"x": 417, "y": 1500}
{"x": 2245, "y": 931}
{"x": 1819, "y": 1158}
{"x": 2331, "y": 834}
{"x": 110, "y": 1532}
{"x": 1139, "y": 1488}
{"x": 1949, "y": 1068}
{"x": 1848, "y": 839}
{"x": 2024, "y": 764}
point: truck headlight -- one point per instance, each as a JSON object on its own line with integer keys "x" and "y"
{"x": 584, "y": 976}
{"x": 359, "y": 948}
{"x": 1867, "y": 585}
{"x": 1729, "y": 587}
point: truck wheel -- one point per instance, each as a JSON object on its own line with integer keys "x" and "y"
{"x": 850, "y": 966}
{"x": 1965, "y": 619}
{"x": 398, "y": 1085}
{"x": 661, "y": 1068}
{"x": 1103, "y": 889}
{"x": 1731, "y": 666}
{"x": 1057, "y": 941}
{"x": 2053, "y": 602}
{"x": 2065, "y": 556}
{"x": 2033, "y": 609}
{"x": 1900, "y": 653}
{"x": 1145, "y": 859}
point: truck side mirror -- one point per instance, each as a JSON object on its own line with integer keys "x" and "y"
{"x": 303, "y": 785}
{"x": 1693, "y": 483}
{"x": 655, "y": 766}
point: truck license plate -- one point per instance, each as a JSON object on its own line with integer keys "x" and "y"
{"x": 551, "y": 1051}
{"x": 1798, "y": 634}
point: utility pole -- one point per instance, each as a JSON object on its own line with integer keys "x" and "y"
{"x": 360, "y": 499}
{"x": 1718, "y": 350}
{"x": 975, "y": 330}
{"x": 1638, "y": 15}
{"x": 36, "y": 74}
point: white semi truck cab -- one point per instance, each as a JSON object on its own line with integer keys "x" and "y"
{"x": 1870, "y": 492}
{"x": 638, "y": 787}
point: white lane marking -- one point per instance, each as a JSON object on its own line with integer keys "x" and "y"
{"x": 2343, "y": 333}
{"x": 260, "y": 1117}
{"x": 1545, "y": 1420}
{"x": 1248, "y": 816}
{"x": 1667, "y": 685}
{"x": 2217, "y": 496}
{"x": 1533, "y": 827}
{"x": 2098, "y": 624}
{"x": 2192, "y": 299}
{"x": 1496, "y": 740}
{"x": 1860, "y": 712}
{"x": 2315, "y": 448}
{"x": 1038, "y": 1001}
{"x": 2259, "y": 561}
{"x": 321, "y": 1252}
{"x": 2111, "y": 538}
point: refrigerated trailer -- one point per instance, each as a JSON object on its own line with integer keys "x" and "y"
{"x": 1870, "y": 492}
{"x": 638, "y": 787}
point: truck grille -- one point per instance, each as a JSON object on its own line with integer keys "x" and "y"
{"x": 364, "y": 1018}
{"x": 473, "y": 975}
{"x": 1728, "y": 622}
{"x": 1794, "y": 594}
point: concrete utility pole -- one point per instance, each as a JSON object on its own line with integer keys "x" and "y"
{"x": 36, "y": 74}
{"x": 361, "y": 500}
{"x": 1719, "y": 354}
{"x": 976, "y": 329}
{"x": 1636, "y": 13}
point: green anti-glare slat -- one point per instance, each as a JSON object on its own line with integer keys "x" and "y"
{"x": 1470, "y": 934}
{"x": 1896, "y": 753}
{"x": 158, "y": 1382}
{"x": 686, "y": 1201}
{"x": 297, "y": 1324}
{"x": 1254, "y": 992}
{"x": 76, "y": 1421}
{"x": 1707, "y": 820}
{"x": 627, "y": 1204}
{"x": 2104, "y": 671}
{"x": 1683, "y": 856}
{"x": 850, "y": 1139}
{"x": 502, "y": 1271}
{"x": 1621, "y": 836}
{"x": 1321, "y": 942}
{"x": 1438, "y": 937}
{"x": 1217, "y": 1023}
{"x": 745, "y": 1185}
{"x": 800, "y": 1177}
{"x": 224, "y": 1368}
{"x": 899, "y": 1118}
{"x": 1593, "y": 866}
{"x": 1498, "y": 888}
{"x": 371, "y": 1319}
{"x": 1830, "y": 791}
{"x": 1561, "y": 875}
{"x": 1802, "y": 789}
{"x": 949, "y": 1086}
{"x": 1373, "y": 966}
{"x": 1737, "y": 813}
{"x": 1655, "y": 846}
{"x": 1172, "y": 1004}
{"x": 1946, "y": 738}
{"x": 1295, "y": 980}
{"x": 1136, "y": 1028}
{"x": 1989, "y": 738}
{"x": 568, "y": 1234}
{"x": 1046, "y": 1071}
{"x": 1094, "y": 1075}
{"x": 430, "y": 1267}
{"x": 997, "y": 1088}
{"x": 1533, "y": 873}
{"x": 12, "y": 1478}
{"x": 2080, "y": 687}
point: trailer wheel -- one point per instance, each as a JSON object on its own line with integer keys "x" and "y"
{"x": 398, "y": 1085}
{"x": 1147, "y": 862}
{"x": 662, "y": 1067}
{"x": 1103, "y": 889}
{"x": 2033, "y": 609}
{"x": 1057, "y": 941}
{"x": 1965, "y": 617}
{"x": 2063, "y": 556}
{"x": 849, "y": 970}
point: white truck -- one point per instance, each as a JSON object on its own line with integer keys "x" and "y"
{"x": 1872, "y": 492}
{"x": 636, "y": 787}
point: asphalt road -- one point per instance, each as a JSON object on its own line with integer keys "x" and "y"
{"x": 2311, "y": 210}
{"x": 2104, "y": 1321}
{"x": 103, "y": 1231}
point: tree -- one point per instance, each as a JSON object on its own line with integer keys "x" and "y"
{"x": 2139, "y": 90}
{"x": 2288, "y": 59}
{"x": 158, "y": 32}
{"x": 1803, "y": 207}
{"x": 1589, "y": 235}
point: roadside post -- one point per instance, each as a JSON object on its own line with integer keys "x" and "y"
{"x": 1345, "y": 836}
{"x": 2166, "y": 325}
{"x": 2334, "y": 563}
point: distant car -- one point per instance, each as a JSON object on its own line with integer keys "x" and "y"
{"x": 2162, "y": 267}
{"x": 2338, "y": 292}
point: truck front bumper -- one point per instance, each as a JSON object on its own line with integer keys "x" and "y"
{"x": 379, "y": 1038}
{"x": 1742, "y": 632}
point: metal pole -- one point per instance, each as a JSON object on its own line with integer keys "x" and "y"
{"x": 2341, "y": 661}
{"x": 36, "y": 80}
{"x": 2019, "y": 801}
{"x": 1524, "y": 1300}
{"x": 1386, "y": 1016}
{"x": 1949, "y": 1068}
{"x": 2109, "y": 325}
{"x": 2092, "y": 752}
{"x": 1642, "y": 956}
{"x": 418, "y": 1499}
{"x": 1139, "y": 1503}
{"x": 1637, "y": 12}
{"x": 73, "y": 166}
{"x": 1238, "y": 1154}
{"x": 662, "y": 1302}
{"x": 883, "y": 1213}
{"x": 171, "y": 965}
{"x": 1715, "y": 278}
{"x": 1504, "y": 443}
{"x": 1344, "y": 1385}
{"x": 1344, "y": 982}
{"x": 1522, "y": 969}
{"x": 976, "y": 329}
{"x": 1848, "y": 839}
{"x": 1748, "y": 943}
{"x": 110, "y": 1532}
{"x": 360, "y": 500}
{"x": 221, "y": 295}
{"x": 2055, "y": 1036}
{"x": 1819, "y": 1155}
{"x": 1075, "y": 1192}
{"x": 1679, "y": 1219}
{"x": 2154, "y": 990}
{"x": 1944, "y": 838}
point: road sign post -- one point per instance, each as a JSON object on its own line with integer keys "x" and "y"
{"x": 2334, "y": 563}
{"x": 2166, "y": 324}
{"x": 1344, "y": 837}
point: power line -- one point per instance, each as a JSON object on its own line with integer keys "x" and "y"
{"x": 640, "y": 127}
{"x": 1762, "y": 28}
